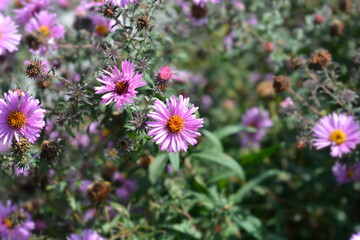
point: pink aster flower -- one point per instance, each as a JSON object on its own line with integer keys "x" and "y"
{"x": 9, "y": 37}
{"x": 87, "y": 234}
{"x": 45, "y": 23}
{"x": 120, "y": 87}
{"x": 355, "y": 236}
{"x": 175, "y": 125}
{"x": 20, "y": 115}
{"x": 13, "y": 230}
{"x": 339, "y": 131}
{"x": 29, "y": 9}
{"x": 344, "y": 174}
{"x": 163, "y": 77}
{"x": 257, "y": 119}
{"x": 123, "y": 3}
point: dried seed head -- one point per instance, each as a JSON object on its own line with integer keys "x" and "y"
{"x": 34, "y": 40}
{"x": 112, "y": 53}
{"x": 298, "y": 62}
{"x": 49, "y": 150}
{"x": 34, "y": 68}
{"x": 125, "y": 143}
{"x": 78, "y": 94}
{"x": 145, "y": 161}
{"x": 198, "y": 11}
{"x": 348, "y": 96}
{"x": 43, "y": 83}
{"x": 265, "y": 89}
{"x": 108, "y": 11}
{"x": 345, "y": 5}
{"x": 138, "y": 121}
{"x": 268, "y": 46}
{"x": 281, "y": 83}
{"x": 98, "y": 191}
{"x": 337, "y": 28}
{"x": 143, "y": 22}
{"x": 85, "y": 23}
{"x": 21, "y": 146}
{"x": 320, "y": 58}
{"x": 142, "y": 64}
{"x": 63, "y": 118}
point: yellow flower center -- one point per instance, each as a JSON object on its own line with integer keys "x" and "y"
{"x": 102, "y": 29}
{"x": 16, "y": 119}
{"x": 350, "y": 173}
{"x": 337, "y": 136}
{"x": 175, "y": 124}
{"x": 7, "y": 222}
{"x": 121, "y": 87}
{"x": 45, "y": 30}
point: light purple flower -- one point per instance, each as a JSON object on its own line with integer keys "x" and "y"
{"x": 102, "y": 25}
{"x": 252, "y": 20}
{"x": 202, "y": 2}
{"x": 46, "y": 23}
{"x": 287, "y": 103}
{"x": 355, "y": 236}
{"x": 175, "y": 125}
{"x": 257, "y": 119}
{"x": 19, "y": 231}
{"x": 3, "y": 4}
{"x": 123, "y": 3}
{"x": 344, "y": 174}
{"x": 120, "y": 87}
{"x": 20, "y": 115}
{"x": 87, "y": 234}
{"x": 339, "y": 131}
{"x": 9, "y": 35}
{"x": 29, "y": 9}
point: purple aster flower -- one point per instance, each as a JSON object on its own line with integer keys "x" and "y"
{"x": 102, "y": 25}
{"x": 257, "y": 119}
{"x": 339, "y": 131}
{"x": 29, "y": 9}
{"x": 120, "y": 87}
{"x": 87, "y": 234}
{"x": 15, "y": 221}
{"x": 202, "y": 2}
{"x": 20, "y": 115}
{"x": 355, "y": 236}
{"x": 123, "y": 3}
{"x": 9, "y": 37}
{"x": 175, "y": 125}
{"x": 45, "y": 23}
{"x": 3, "y": 4}
{"x": 252, "y": 20}
{"x": 344, "y": 174}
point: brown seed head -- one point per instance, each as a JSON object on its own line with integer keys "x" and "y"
{"x": 98, "y": 191}
{"x": 320, "y": 58}
{"x": 281, "y": 83}
{"x": 143, "y": 22}
{"x": 345, "y": 5}
{"x": 34, "y": 40}
{"x": 198, "y": 11}
{"x": 21, "y": 146}
{"x": 34, "y": 68}
{"x": 337, "y": 29}
{"x": 49, "y": 150}
{"x": 297, "y": 62}
{"x": 265, "y": 89}
{"x": 146, "y": 161}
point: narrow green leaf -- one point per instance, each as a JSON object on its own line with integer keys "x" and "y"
{"x": 213, "y": 139}
{"x": 157, "y": 167}
{"x": 175, "y": 161}
{"x": 230, "y": 130}
{"x": 267, "y": 152}
{"x": 240, "y": 194}
{"x": 223, "y": 159}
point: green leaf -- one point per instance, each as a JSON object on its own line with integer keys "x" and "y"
{"x": 72, "y": 202}
{"x": 157, "y": 167}
{"x": 250, "y": 185}
{"x": 223, "y": 159}
{"x": 250, "y": 224}
{"x": 70, "y": 132}
{"x": 214, "y": 139}
{"x": 175, "y": 161}
{"x": 267, "y": 152}
{"x": 185, "y": 227}
{"x": 222, "y": 175}
{"x": 234, "y": 129}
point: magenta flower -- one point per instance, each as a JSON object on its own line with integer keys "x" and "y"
{"x": 257, "y": 119}
{"x": 123, "y": 3}
{"x": 175, "y": 125}
{"x": 339, "y": 131}
{"x": 20, "y": 115}
{"x": 3, "y": 4}
{"x": 45, "y": 23}
{"x": 120, "y": 87}
{"x": 19, "y": 231}
{"x": 163, "y": 77}
{"x": 9, "y": 35}
{"x": 344, "y": 174}
{"x": 87, "y": 234}
{"x": 24, "y": 14}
